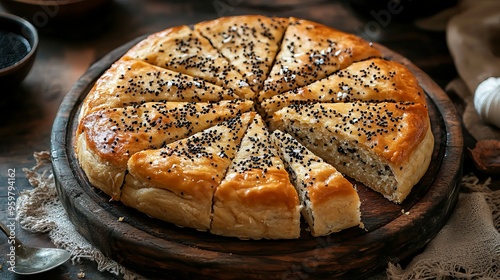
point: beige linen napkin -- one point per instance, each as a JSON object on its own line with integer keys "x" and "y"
{"x": 468, "y": 246}
{"x": 40, "y": 210}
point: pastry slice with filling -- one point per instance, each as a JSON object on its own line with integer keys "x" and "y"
{"x": 256, "y": 199}
{"x": 130, "y": 82}
{"x": 369, "y": 80}
{"x": 107, "y": 138}
{"x": 311, "y": 51}
{"x": 250, "y": 43}
{"x": 177, "y": 183}
{"x": 329, "y": 201}
{"x": 386, "y": 146}
{"x": 183, "y": 50}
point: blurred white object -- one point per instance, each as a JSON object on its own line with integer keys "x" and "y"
{"x": 487, "y": 100}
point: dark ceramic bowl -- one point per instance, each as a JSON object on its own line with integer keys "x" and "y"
{"x": 18, "y": 47}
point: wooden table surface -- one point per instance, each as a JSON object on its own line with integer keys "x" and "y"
{"x": 28, "y": 111}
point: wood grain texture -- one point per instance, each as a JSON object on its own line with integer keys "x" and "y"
{"x": 158, "y": 249}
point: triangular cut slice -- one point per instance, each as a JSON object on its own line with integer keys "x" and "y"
{"x": 311, "y": 51}
{"x": 176, "y": 183}
{"x": 256, "y": 199}
{"x": 386, "y": 146}
{"x": 372, "y": 80}
{"x": 130, "y": 82}
{"x": 184, "y": 50}
{"x": 249, "y": 42}
{"x": 329, "y": 201}
{"x": 107, "y": 138}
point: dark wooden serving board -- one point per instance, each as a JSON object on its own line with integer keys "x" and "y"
{"x": 161, "y": 250}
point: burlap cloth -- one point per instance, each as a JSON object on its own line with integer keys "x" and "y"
{"x": 468, "y": 246}
{"x": 40, "y": 210}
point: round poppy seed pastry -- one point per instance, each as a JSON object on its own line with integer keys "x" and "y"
{"x": 238, "y": 126}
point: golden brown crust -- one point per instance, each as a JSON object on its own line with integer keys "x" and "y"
{"x": 101, "y": 174}
{"x": 189, "y": 170}
{"x": 391, "y": 130}
{"x": 129, "y": 81}
{"x": 115, "y": 134}
{"x": 249, "y": 42}
{"x": 385, "y": 135}
{"x": 183, "y": 50}
{"x": 408, "y": 176}
{"x": 111, "y": 136}
{"x": 310, "y": 51}
{"x": 329, "y": 201}
{"x": 372, "y": 80}
{"x": 326, "y": 183}
{"x": 256, "y": 199}
{"x": 267, "y": 189}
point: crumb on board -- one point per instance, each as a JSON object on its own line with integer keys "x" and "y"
{"x": 81, "y": 274}
{"x": 121, "y": 219}
{"x": 406, "y": 213}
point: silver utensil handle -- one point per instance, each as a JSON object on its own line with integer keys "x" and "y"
{"x": 9, "y": 235}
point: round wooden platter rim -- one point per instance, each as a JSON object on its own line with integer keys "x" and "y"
{"x": 164, "y": 255}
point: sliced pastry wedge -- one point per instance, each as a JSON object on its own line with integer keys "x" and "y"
{"x": 311, "y": 51}
{"x": 131, "y": 82}
{"x": 386, "y": 146}
{"x": 107, "y": 138}
{"x": 183, "y": 50}
{"x": 329, "y": 201}
{"x": 176, "y": 183}
{"x": 372, "y": 80}
{"x": 256, "y": 199}
{"x": 250, "y": 43}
